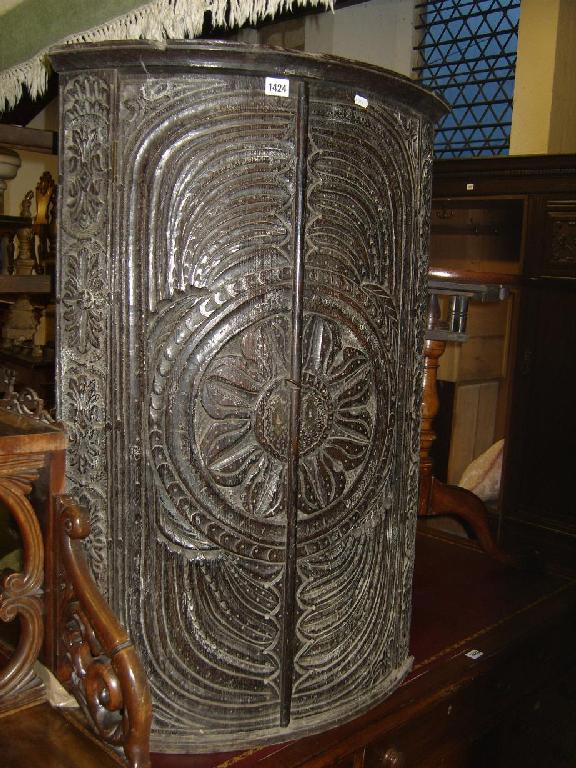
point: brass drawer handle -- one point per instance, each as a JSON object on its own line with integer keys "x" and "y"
{"x": 391, "y": 758}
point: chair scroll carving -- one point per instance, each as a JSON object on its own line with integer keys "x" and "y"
{"x": 24, "y": 403}
{"x": 21, "y": 592}
{"x": 100, "y": 664}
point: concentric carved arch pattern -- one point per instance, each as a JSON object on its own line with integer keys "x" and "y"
{"x": 201, "y": 342}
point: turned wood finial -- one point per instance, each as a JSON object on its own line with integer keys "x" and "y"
{"x": 433, "y": 351}
{"x": 26, "y": 205}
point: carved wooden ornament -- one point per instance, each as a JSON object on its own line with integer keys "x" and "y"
{"x": 242, "y": 302}
{"x": 21, "y": 592}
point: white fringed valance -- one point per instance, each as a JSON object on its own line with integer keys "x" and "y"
{"x": 28, "y": 28}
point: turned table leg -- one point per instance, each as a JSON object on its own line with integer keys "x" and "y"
{"x": 437, "y": 498}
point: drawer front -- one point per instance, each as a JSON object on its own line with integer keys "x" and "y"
{"x": 521, "y": 692}
{"x": 351, "y": 761}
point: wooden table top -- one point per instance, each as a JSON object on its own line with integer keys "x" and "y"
{"x": 23, "y": 434}
{"x": 462, "y": 601}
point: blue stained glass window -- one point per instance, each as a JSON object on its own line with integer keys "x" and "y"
{"x": 467, "y": 54}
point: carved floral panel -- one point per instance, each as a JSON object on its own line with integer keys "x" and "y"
{"x": 83, "y": 294}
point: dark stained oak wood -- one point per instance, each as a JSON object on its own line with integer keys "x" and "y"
{"x": 524, "y": 625}
{"x": 42, "y": 737}
{"x": 511, "y": 707}
{"x": 511, "y": 175}
{"x": 246, "y": 412}
{"x": 28, "y": 445}
{"x": 539, "y": 509}
{"x": 144, "y": 56}
{"x": 537, "y": 512}
{"x": 468, "y": 276}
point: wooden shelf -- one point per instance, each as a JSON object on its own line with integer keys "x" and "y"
{"x": 25, "y": 284}
{"x": 30, "y": 139}
{"x": 13, "y": 223}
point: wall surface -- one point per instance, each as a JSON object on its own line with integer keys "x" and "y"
{"x": 544, "y": 113}
{"x": 378, "y": 32}
{"x": 562, "y": 136}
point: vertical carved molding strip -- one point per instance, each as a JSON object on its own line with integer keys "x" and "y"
{"x": 83, "y": 302}
{"x": 243, "y": 300}
{"x": 21, "y": 592}
{"x": 100, "y": 664}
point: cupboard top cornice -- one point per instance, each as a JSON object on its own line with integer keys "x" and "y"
{"x": 170, "y": 57}
{"x": 506, "y": 175}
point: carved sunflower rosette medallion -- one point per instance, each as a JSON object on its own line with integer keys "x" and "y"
{"x": 241, "y": 430}
{"x": 219, "y": 425}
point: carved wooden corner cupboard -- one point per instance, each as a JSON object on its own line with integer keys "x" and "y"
{"x": 242, "y": 249}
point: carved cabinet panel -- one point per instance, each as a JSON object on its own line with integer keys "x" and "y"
{"x": 241, "y": 318}
{"x": 559, "y": 236}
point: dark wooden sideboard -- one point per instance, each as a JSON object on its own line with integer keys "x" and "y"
{"x": 512, "y": 706}
{"x": 517, "y": 216}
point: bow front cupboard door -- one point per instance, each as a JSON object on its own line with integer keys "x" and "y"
{"x": 242, "y": 297}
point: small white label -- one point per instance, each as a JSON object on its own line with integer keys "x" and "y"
{"x": 361, "y": 101}
{"x": 474, "y": 654}
{"x": 277, "y": 86}
{"x": 469, "y": 187}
